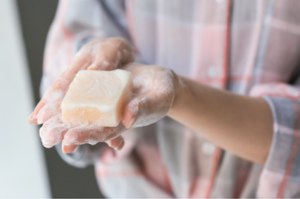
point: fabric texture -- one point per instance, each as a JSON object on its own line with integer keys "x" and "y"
{"x": 247, "y": 47}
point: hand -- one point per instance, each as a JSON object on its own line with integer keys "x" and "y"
{"x": 153, "y": 90}
{"x": 99, "y": 54}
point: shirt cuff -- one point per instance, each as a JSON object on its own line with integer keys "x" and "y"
{"x": 279, "y": 177}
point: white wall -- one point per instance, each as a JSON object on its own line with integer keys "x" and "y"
{"x": 22, "y": 167}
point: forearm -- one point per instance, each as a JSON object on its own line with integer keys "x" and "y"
{"x": 240, "y": 124}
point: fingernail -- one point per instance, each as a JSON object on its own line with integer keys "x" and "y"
{"x": 64, "y": 149}
{"x": 31, "y": 119}
{"x": 69, "y": 148}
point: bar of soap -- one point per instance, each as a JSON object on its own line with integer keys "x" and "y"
{"x": 96, "y": 98}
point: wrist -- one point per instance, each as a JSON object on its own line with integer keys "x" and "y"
{"x": 180, "y": 90}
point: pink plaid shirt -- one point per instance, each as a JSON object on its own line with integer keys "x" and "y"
{"x": 250, "y": 47}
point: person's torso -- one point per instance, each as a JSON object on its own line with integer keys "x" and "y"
{"x": 232, "y": 45}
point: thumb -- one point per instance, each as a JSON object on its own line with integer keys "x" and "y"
{"x": 131, "y": 111}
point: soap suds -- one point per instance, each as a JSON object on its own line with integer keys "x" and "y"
{"x": 155, "y": 90}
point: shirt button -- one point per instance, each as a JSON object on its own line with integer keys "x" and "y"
{"x": 208, "y": 148}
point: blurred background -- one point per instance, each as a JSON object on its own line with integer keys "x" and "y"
{"x": 27, "y": 169}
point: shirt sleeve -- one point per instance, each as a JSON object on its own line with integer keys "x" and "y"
{"x": 75, "y": 23}
{"x": 280, "y": 176}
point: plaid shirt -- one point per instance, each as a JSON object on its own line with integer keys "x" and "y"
{"x": 250, "y": 47}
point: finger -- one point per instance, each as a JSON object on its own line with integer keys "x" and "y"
{"x": 51, "y": 134}
{"x": 69, "y": 148}
{"x": 116, "y": 143}
{"x": 83, "y": 135}
{"x": 81, "y": 61}
{"x": 52, "y": 95}
{"x": 112, "y": 53}
{"x": 127, "y": 57}
{"x": 132, "y": 109}
{"x": 32, "y": 117}
{"x": 103, "y": 64}
{"x": 47, "y": 112}
{"x": 80, "y": 136}
{"x": 122, "y": 49}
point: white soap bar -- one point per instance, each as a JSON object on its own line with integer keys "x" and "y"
{"x": 96, "y": 98}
